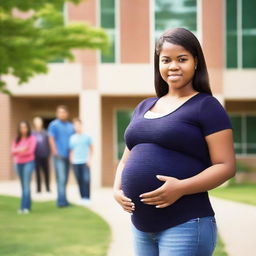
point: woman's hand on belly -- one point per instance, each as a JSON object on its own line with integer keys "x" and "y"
{"x": 165, "y": 195}
{"x": 124, "y": 201}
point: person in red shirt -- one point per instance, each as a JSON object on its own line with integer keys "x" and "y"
{"x": 23, "y": 151}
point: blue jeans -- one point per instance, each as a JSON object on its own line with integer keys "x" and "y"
{"x": 82, "y": 174}
{"x": 196, "y": 237}
{"x": 24, "y": 172}
{"x": 61, "y": 171}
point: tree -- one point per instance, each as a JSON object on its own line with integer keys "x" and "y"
{"x": 28, "y": 45}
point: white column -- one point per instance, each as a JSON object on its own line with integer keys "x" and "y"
{"x": 90, "y": 114}
{"x": 220, "y": 98}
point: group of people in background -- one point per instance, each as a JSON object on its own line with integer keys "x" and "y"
{"x": 66, "y": 143}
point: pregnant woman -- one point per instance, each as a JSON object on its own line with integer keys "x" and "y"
{"x": 179, "y": 145}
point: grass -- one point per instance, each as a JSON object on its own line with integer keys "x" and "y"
{"x": 220, "y": 249}
{"x": 244, "y": 193}
{"x": 51, "y": 231}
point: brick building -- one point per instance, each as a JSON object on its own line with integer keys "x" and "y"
{"x": 103, "y": 90}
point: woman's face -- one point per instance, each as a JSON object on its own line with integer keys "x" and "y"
{"x": 23, "y": 129}
{"x": 176, "y": 65}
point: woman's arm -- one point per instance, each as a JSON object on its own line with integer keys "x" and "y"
{"x": 222, "y": 155}
{"x": 223, "y": 167}
{"x": 120, "y": 167}
{"x": 71, "y": 155}
{"x": 16, "y": 149}
{"x": 30, "y": 147}
{"x": 124, "y": 201}
{"x": 89, "y": 162}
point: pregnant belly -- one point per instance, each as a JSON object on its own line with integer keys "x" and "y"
{"x": 147, "y": 160}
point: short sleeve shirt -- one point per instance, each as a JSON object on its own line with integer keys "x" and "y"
{"x": 61, "y": 132}
{"x": 80, "y": 144}
{"x": 171, "y": 145}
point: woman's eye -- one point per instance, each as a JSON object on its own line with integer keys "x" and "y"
{"x": 164, "y": 60}
{"x": 182, "y": 60}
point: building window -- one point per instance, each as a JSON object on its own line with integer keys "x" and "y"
{"x": 244, "y": 127}
{"x": 240, "y": 34}
{"x": 108, "y": 22}
{"x": 231, "y": 34}
{"x": 123, "y": 118}
{"x": 175, "y": 13}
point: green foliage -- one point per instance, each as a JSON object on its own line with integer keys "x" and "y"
{"x": 28, "y": 45}
{"x": 26, "y": 5}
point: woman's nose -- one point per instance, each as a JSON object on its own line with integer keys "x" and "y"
{"x": 173, "y": 65}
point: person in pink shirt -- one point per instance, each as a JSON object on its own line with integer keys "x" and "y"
{"x": 23, "y": 149}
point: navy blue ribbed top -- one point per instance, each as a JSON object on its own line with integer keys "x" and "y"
{"x": 172, "y": 145}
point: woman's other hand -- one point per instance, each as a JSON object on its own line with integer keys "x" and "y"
{"x": 165, "y": 195}
{"x": 124, "y": 201}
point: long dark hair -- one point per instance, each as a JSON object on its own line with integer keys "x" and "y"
{"x": 19, "y": 135}
{"x": 186, "y": 39}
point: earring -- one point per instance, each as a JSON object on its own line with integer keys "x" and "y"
{"x": 195, "y": 67}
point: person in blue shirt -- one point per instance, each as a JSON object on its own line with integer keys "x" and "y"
{"x": 81, "y": 150}
{"x": 60, "y": 130}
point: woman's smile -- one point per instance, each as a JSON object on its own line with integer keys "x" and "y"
{"x": 174, "y": 77}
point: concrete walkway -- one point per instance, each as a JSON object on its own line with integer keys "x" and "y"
{"x": 236, "y": 221}
{"x": 237, "y": 226}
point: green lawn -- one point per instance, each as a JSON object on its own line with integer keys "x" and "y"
{"x": 244, "y": 193}
{"x": 219, "y": 250}
{"x": 51, "y": 231}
